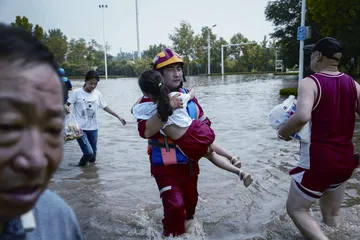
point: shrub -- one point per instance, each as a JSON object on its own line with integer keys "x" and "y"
{"x": 285, "y": 92}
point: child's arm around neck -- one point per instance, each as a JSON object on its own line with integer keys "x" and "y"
{"x": 192, "y": 93}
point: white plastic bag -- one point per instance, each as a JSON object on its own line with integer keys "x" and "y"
{"x": 72, "y": 129}
{"x": 282, "y": 112}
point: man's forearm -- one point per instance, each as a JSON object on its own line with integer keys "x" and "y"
{"x": 293, "y": 125}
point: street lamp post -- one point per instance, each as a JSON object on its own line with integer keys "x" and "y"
{"x": 301, "y": 49}
{"x": 105, "y": 57}
{"x": 137, "y": 29}
{"x": 209, "y": 48}
{"x": 230, "y": 45}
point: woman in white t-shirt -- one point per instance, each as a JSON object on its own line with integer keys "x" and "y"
{"x": 86, "y": 101}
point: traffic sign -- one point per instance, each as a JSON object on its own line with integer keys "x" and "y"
{"x": 301, "y": 33}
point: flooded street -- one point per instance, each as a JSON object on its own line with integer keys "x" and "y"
{"x": 118, "y": 199}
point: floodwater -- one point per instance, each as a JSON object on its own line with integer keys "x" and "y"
{"x": 118, "y": 199}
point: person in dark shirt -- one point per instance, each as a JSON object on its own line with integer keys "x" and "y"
{"x": 67, "y": 86}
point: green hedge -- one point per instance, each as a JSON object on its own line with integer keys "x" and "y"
{"x": 101, "y": 77}
{"x": 236, "y": 73}
{"x": 285, "y": 74}
{"x": 285, "y": 92}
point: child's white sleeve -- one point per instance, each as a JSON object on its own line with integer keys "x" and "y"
{"x": 144, "y": 111}
{"x": 185, "y": 97}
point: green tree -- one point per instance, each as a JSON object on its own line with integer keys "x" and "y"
{"x": 95, "y": 54}
{"x": 141, "y": 65}
{"x": 237, "y": 51}
{"x": 343, "y": 17}
{"x": 200, "y": 52}
{"x": 23, "y": 22}
{"x": 153, "y": 50}
{"x": 250, "y": 57}
{"x": 341, "y": 21}
{"x": 125, "y": 68}
{"x": 56, "y": 41}
{"x": 285, "y": 16}
{"x": 38, "y": 32}
{"x": 216, "y": 57}
{"x": 266, "y": 56}
{"x": 74, "y": 69}
{"x": 183, "y": 42}
{"x": 78, "y": 51}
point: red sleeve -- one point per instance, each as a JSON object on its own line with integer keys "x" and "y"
{"x": 142, "y": 123}
{"x": 201, "y": 111}
{"x": 141, "y": 128}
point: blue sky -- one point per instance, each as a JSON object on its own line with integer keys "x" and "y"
{"x": 157, "y": 19}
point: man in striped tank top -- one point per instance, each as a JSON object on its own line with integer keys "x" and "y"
{"x": 327, "y": 100}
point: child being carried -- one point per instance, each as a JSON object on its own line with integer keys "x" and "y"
{"x": 194, "y": 138}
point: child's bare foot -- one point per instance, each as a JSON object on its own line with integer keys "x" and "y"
{"x": 246, "y": 178}
{"x": 236, "y": 162}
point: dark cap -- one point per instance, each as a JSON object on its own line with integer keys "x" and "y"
{"x": 328, "y": 46}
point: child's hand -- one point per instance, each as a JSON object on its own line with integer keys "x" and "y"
{"x": 192, "y": 93}
{"x": 176, "y": 101}
{"x": 122, "y": 121}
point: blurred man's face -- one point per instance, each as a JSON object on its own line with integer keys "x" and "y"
{"x": 173, "y": 75}
{"x": 31, "y": 145}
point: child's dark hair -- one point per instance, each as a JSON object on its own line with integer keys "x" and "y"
{"x": 151, "y": 82}
{"x": 92, "y": 75}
